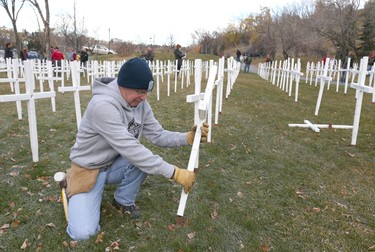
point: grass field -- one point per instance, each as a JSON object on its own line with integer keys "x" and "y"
{"x": 261, "y": 186}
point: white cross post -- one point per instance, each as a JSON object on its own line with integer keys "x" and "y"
{"x": 219, "y": 89}
{"x": 323, "y": 78}
{"x": 360, "y": 89}
{"x": 76, "y": 87}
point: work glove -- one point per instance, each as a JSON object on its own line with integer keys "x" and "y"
{"x": 184, "y": 177}
{"x": 190, "y": 135}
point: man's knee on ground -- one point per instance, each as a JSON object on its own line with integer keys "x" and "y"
{"x": 80, "y": 233}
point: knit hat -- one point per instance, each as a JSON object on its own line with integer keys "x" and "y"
{"x": 135, "y": 74}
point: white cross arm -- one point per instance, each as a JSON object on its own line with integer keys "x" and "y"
{"x": 73, "y": 88}
{"x": 362, "y": 88}
{"x": 15, "y": 97}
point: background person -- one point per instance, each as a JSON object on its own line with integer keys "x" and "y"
{"x": 84, "y": 57}
{"x": 8, "y": 54}
{"x": 108, "y": 150}
{"x": 179, "y": 56}
{"x": 56, "y": 58}
{"x": 24, "y": 54}
{"x": 150, "y": 54}
{"x": 247, "y": 61}
{"x": 71, "y": 56}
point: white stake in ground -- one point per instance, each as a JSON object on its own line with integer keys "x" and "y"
{"x": 361, "y": 88}
{"x": 323, "y": 78}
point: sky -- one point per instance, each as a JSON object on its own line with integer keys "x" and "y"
{"x": 147, "y": 21}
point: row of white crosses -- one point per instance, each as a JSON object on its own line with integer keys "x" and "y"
{"x": 334, "y": 72}
{"x": 283, "y": 75}
{"x": 360, "y": 87}
{"x": 30, "y": 96}
{"x": 15, "y": 75}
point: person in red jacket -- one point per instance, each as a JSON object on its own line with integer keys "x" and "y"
{"x": 57, "y": 57}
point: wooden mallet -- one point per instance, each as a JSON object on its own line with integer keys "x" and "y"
{"x": 61, "y": 178}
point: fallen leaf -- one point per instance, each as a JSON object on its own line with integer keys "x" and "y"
{"x": 265, "y": 248}
{"x": 191, "y": 235}
{"x": 26, "y": 244}
{"x": 66, "y": 244}
{"x": 239, "y": 194}
{"x": 73, "y": 244}
{"x": 39, "y": 249}
{"x": 39, "y": 212}
{"x": 172, "y": 227}
{"x": 316, "y": 209}
{"x": 99, "y": 238}
{"x": 15, "y": 223}
{"x": 14, "y": 174}
{"x": 5, "y": 226}
{"x": 214, "y": 214}
{"x": 51, "y": 225}
{"x": 371, "y": 247}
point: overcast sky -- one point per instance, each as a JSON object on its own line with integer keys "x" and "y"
{"x": 147, "y": 21}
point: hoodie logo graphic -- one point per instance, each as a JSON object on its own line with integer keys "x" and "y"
{"x": 134, "y": 128}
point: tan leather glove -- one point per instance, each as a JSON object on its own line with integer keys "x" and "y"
{"x": 190, "y": 135}
{"x": 184, "y": 177}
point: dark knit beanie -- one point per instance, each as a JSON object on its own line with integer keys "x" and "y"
{"x": 136, "y": 74}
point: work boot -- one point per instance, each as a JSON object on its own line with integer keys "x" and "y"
{"x": 131, "y": 210}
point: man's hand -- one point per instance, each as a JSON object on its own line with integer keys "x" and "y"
{"x": 204, "y": 131}
{"x": 184, "y": 177}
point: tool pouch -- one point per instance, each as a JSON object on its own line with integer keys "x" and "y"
{"x": 80, "y": 179}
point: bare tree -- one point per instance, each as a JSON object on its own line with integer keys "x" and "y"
{"x": 171, "y": 42}
{"x": 13, "y": 11}
{"x": 335, "y": 20}
{"x": 46, "y": 22}
{"x": 289, "y": 31}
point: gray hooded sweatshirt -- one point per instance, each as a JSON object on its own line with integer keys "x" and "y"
{"x": 110, "y": 127}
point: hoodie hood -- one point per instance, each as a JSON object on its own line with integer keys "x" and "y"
{"x": 108, "y": 86}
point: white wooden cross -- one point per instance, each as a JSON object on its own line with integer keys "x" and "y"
{"x": 219, "y": 90}
{"x": 203, "y": 108}
{"x": 76, "y": 87}
{"x": 295, "y": 75}
{"x": 317, "y": 127}
{"x": 360, "y": 89}
{"x": 30, "y": 97}
{"x": 323, "y": 78}
{"x": 45, "y": 72}
{"x": 14, "y": 79}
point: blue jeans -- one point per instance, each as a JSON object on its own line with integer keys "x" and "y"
{"x": 246, "y": 68}
{"x": 84, "y": 208}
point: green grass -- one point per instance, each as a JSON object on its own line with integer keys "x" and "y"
{"x": 261, "y": 184}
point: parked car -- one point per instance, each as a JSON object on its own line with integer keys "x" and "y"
{"x": 33, "y": 54}
{"x": 98, "y": 49}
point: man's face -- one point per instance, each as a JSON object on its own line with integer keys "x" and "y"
{"x": 133, "y": 96}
